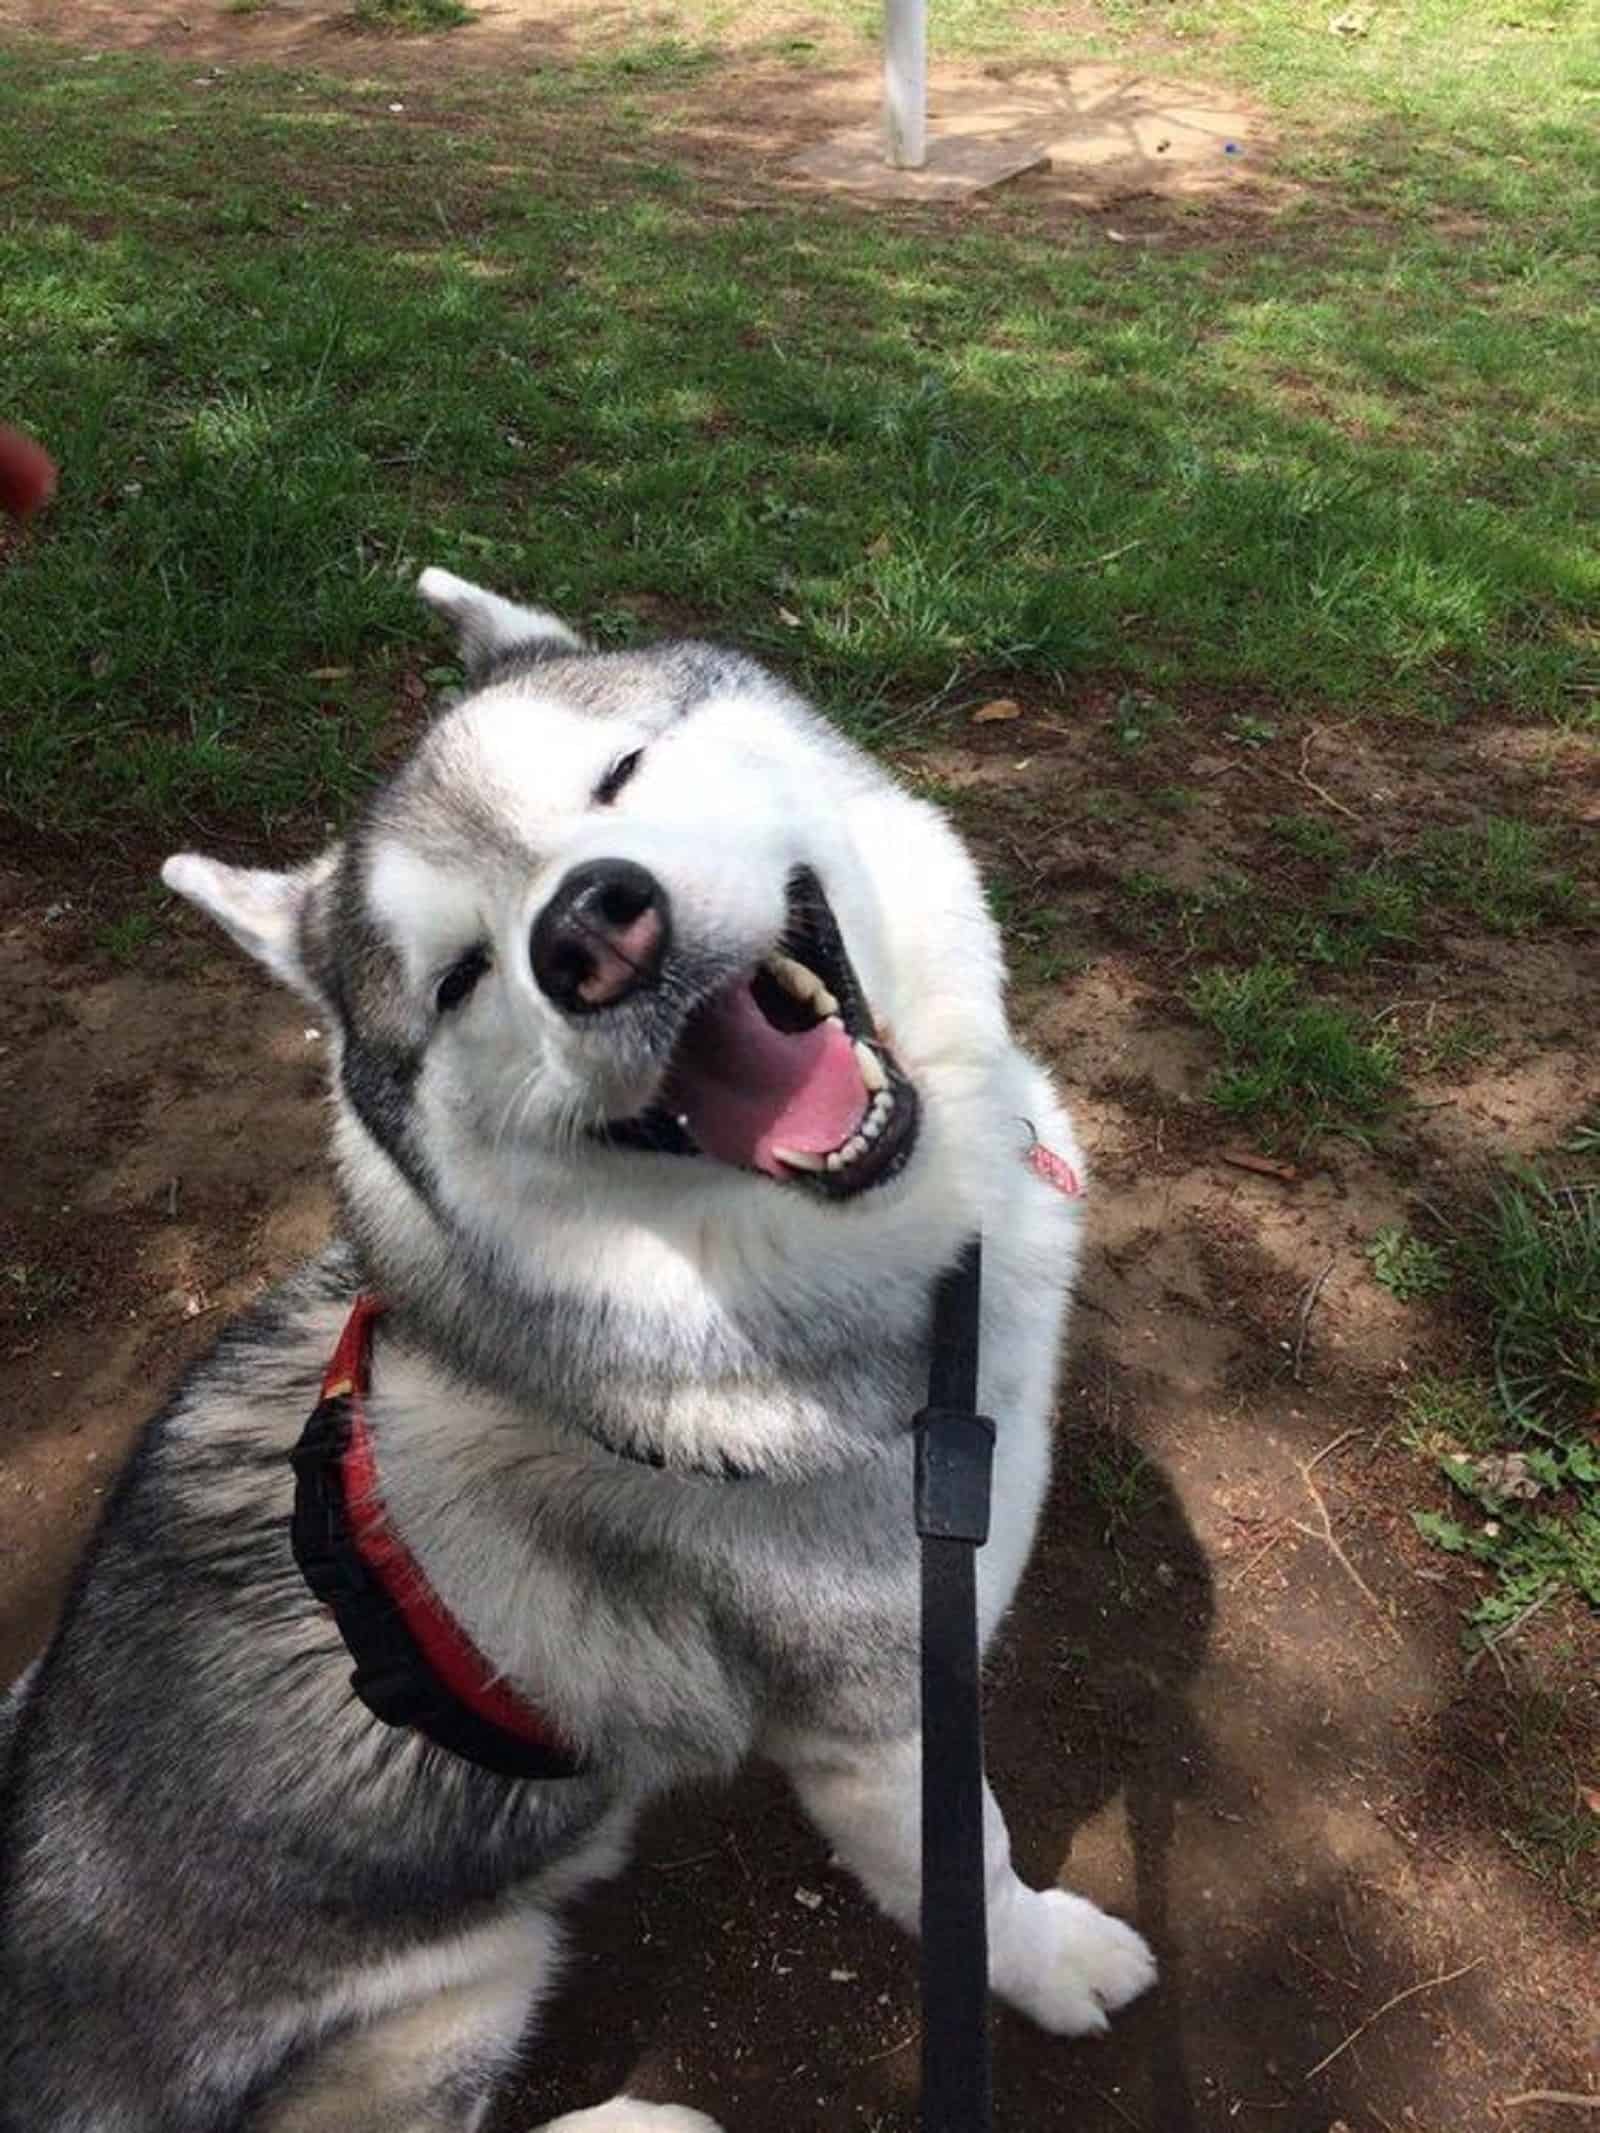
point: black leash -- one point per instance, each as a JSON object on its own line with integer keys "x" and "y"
{"x": 955, "y": 1448}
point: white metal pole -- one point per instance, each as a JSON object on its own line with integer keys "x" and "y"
{"x": 905, "y": 82}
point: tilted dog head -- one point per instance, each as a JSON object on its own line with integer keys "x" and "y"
{"x": 645, "y": 909}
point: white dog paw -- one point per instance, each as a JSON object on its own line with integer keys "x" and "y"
{"x": 626, "y": 2114}
{"x": 1067, "y": 1965}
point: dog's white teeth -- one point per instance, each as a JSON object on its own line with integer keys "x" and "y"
{"x": 871, "y": 1068}
{"x": 803, "y": 984}
{"x": 801, "y": 1159}
{"x": 877, "y": 1116}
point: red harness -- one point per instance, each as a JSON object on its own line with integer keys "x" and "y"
{"x": 415, "y": 1665}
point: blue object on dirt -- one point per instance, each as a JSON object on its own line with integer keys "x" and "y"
{"x": 1231, "y": 148}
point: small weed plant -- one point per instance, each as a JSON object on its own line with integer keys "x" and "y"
{"x": 1406, "y": 1265}
{"x": 1520, "y": 1445}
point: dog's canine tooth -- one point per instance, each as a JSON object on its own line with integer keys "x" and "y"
{"x": 799, "y": 1159}
{"x": 853, "y": 1148}
{"x": 803, "y": 984}
{"x": 871, "y": 1068}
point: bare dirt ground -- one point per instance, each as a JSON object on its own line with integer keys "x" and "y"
{"x": 1232, "y": 1701}
{"x": 1113, "y": 132}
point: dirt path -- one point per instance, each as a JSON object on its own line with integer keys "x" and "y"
{"x": 1247, "y": 1726}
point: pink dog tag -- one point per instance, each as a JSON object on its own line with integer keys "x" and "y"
{"x": 1054, "y": 1169}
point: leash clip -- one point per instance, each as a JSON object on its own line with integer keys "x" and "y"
{"x": 955, "y": 1455}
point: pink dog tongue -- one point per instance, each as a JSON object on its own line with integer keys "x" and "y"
{"x": 747, "y": 1088}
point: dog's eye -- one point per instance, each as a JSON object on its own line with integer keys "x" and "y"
{"x": 458, "y": 981}
{"x": 617, "y": 776}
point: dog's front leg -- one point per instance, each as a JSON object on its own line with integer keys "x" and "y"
{"x": 1055, "y": 1956}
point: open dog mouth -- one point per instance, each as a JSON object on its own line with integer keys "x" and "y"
{"x": 784, "y": 1071}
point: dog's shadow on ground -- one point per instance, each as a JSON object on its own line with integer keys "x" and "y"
{"x": 732, "y": 1967}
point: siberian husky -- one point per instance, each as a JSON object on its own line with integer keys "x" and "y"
{"x": 670, "y": 1069}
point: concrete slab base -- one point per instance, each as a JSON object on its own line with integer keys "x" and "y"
{"x": 1108, "y": 134}
{"x": 959, "y": 163}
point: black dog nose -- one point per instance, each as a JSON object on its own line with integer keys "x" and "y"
{"x": 601, "y": 938}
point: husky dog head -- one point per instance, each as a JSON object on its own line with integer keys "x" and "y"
{"x": 636, "y": 935}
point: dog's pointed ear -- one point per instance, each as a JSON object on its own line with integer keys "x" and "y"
{"x": 265, "y": 912}
{"x": 487, "y": 626}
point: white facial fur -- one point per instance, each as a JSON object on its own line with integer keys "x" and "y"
{"x": 727, "y": 801}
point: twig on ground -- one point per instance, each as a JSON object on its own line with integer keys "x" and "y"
{"x": 1322, "y": 1971}
{"x": 1314, "y": 733}
{"x": 889, "y": 2050}
{"x": 1427, "y": 1984}
{"x": 1112, "y": 2104}
{"x": 1328, "y": 1537}
{"x": 1493, "y": 1649}
{"x": 1260, "y": 1556}
{"x": 1262, "y": 1165}
{"x": 1490, "y": 1644}
{"x": 1576, "y": 2098}
{"x": 1308, "y": 1303}
{"x": 1330, "y": 1448}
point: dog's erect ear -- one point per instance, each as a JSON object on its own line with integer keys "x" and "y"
{"x": 487, "y": 626}
{"x": 262, "y": 910}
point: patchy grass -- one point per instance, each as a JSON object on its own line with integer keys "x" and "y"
{"x": 410, "y": 15}
{"x": 1443, "y": 1044}
{"x": 889, "y": 452}
{"x": 127, "y": 936}
{"x": 1296, "y": 1066}
{"x": 31, "y": 1294}
{"x": 1035, "y": 950}
{"x": 1138, "y": 718}
{"x": 1532, "y": 1263}
{"x": 1311, "y": 837}
{"x": 1500, "y": 875}
{"x": 1499, "y": 872}
{"x": 1519, "y": 1446}
{"x": 1531, "y": 1778}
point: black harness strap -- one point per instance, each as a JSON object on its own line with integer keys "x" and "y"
{"x": 955, "y": 1447}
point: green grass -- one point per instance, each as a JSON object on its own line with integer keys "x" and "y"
{"x": 1292, "y": 1064}
{"x": 1138, "y": 718}
{"x": 1407, "y": 1265}
{"x": 291, "y": 353}
{"x": 1036, "y": 951}
{"x": 1311, "y": 837}
{"x": 1533, "y": 1264}
{"x": 1500, "y": 873}
{"x": 410, "y": 14}
{"x": 1518, "y": 1445}
{"x": 1530, "y": 1776}
{"x": 127, "y": 937}
{"x": 30, "y": 1294}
